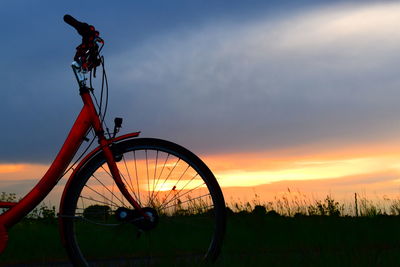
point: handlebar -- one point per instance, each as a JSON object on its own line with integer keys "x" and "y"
{"x": 74, "y": 23}
{"x": 85, "y": 30}
{"x": 87, "y": 53}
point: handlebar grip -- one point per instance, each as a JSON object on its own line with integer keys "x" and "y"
{"x": 71, "y": 21}
{"x": 81, "y": 27}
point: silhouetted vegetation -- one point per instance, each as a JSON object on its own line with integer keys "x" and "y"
{"x": 97, "y": 212}
{"x": 41, "y": 212}
{"x": 294, "y": 204}
{"x": 290, "y": 231}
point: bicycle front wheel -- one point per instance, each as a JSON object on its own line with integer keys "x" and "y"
{"x": 173, "y": 186}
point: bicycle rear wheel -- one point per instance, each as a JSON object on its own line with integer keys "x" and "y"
{"x": 175, "y": 188}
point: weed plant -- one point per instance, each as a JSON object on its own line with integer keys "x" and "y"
{"x": 289, "y": 204}
{"x": 294, "y": 203}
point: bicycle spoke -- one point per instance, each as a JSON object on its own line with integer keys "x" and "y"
{"x": 179, "y": 196}
{"x": 101, "y": 195}
{"x": 132, "y": 190}
{"x": 167, "y": 177}
{"x": 154, "y": 176}
{"x": 178, "y": 181}
{"x": 189, "y": 200}
{"x": 162, "y": 170}
{"x": 125, "y": 180}
{"x": 147, "y": 172}
{"x": 98, "y": 201}
{"x": 112, "y": 191}
{"x": 104, "y": 186}
{"x": 137, "y": 177}
{"x": 129, "y": 175}
{"x": 183, "y": 187}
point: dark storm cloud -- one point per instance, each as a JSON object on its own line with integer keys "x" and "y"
{"x": 39, "y": 100}
{"x": 326, "y": 76}
{"x": 216, "y": 77}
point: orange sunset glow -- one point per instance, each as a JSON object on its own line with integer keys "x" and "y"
{"x": 373, "y": 170}
{"x": 341, "y": 172}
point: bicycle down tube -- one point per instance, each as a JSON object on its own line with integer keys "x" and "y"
{"x": 87, "y": 118}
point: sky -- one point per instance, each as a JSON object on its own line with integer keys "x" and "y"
{"x": 271, "y": 94}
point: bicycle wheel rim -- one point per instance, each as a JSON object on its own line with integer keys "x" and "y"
{"x": 188, "y": 228}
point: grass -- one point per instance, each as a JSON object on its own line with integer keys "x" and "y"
{"x": 291, "y": 231}
{"x": 311, "y": 241}
{"x": 254, "y": 240}
{"x": 33, "y": 240}
{"x": 294, "y": 203}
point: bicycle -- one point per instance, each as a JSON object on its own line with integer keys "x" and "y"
{"x": 130, "y": 199}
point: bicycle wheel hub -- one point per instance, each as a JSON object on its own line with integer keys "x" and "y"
{"x": 135, "y": 217}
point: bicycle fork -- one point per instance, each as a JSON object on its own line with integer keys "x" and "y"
{"x": 105, "y": 146}
{"x": 112, "y": 165}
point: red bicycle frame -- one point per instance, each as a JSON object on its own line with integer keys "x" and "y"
{"x": 88, "y": 118}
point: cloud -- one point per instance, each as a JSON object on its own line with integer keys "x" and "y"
{"x": 320, "y": 76}
{"x": 271, "y": 77}
{"x": 373, "y": 186}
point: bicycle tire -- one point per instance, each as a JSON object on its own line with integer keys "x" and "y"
{"x": 184, "y": 242}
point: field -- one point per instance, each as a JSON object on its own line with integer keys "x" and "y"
{"x": 253, "y": 239}
{"x": 312, "y": 241}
